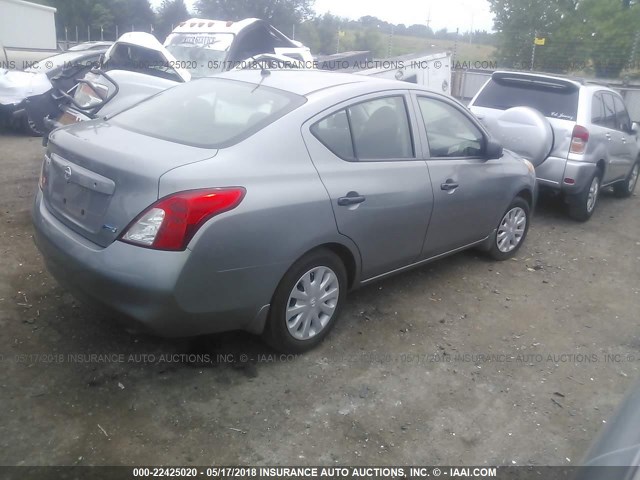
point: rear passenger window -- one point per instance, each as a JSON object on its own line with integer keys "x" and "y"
{"x": 597, "y": 110}
{"x": 622, "y": 116}
{"x": 381, "y": 129}
{"x": 372, "y": 130}
{"x": 333, "y": 131}
{"x": 609, "y": 111}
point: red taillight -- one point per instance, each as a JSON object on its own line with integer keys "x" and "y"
{"x": 171, "y": 223}
{"x": 579, "y": 140}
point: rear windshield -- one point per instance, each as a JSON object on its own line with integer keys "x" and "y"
{"x": 209, "y": 113}
{"x": 551, "y": 101}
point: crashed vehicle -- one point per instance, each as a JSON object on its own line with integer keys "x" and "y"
{"x": 137, "y": 66}
{"x": 17, "y": 87}
{"x": 208, "y": 47}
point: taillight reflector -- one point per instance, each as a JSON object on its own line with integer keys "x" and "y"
{"x": 579, "y": 140}
{"x": 171, "y": 222}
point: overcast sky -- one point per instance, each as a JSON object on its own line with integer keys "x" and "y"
{"x": 449, "y": 14}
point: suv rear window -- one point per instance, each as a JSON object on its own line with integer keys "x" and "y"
{"x": 553, "y": 101}
{"x": 209, "y": 113}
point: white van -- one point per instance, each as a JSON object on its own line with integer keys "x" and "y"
{"x": 205, "y": 47}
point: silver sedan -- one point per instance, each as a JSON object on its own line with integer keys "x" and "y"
{"x": 256, "y": 199}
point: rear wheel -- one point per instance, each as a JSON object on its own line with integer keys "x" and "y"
{"x": 582, "y": 205}
{"x": 307, "y": 302}
{"x": 31, "y": 128}
{"x": 511, "y": 231}
{"x": 626, "y": 188}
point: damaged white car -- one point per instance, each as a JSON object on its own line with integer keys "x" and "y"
{"x": 18, "y": 86}
{"x": 138, "y": 66}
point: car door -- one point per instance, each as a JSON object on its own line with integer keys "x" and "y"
{"x": 600, "y": 132}
{"x": 617, "y": 151}
{"x": 468, "y": 195}
{"x": 379, "y": 188}
{"x": 629, "y": 147}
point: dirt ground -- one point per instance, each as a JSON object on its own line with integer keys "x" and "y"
{"x": 464, "y": 361}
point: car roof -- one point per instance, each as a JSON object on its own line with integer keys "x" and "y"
{"x": 306, "y": 82}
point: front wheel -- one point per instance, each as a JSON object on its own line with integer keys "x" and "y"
{"x": 511, "y": 231}
{"x": 582, "y": 205}
{"x": 626, "y": 188}
{"x": 307, "y": 302}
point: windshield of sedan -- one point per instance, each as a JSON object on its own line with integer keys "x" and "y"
{"x": 201, "y": 54}
{"x": 209, "y": 113}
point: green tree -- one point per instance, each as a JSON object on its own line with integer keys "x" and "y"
{"x": 321, "y": 34}
{"x": 518, "y": 21}
{"x": 370, "y": 39}
{"x": 283, "y": 14}
{"x": 170, "y": 14}
{"x": 101, "y": 13}
{"x": 590, "y": 36}
{"x": 609, "y": 28}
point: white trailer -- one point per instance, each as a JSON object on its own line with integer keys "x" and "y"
{"x": 432, "y": 70}
{"x": 27, "y": 33}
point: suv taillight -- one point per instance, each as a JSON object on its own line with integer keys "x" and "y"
{"x": 579, "y": 140}
{"x": 171, "y": 222}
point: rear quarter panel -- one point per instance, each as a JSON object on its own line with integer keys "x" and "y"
{"x": 286, "y": 212}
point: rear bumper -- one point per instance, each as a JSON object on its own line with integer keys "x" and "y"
{"x": 142, "y": 284}
{"x": 551, "y": 174}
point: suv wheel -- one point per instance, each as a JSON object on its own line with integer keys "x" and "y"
{"x": 583, "y": 204}
{"x": 511, "y": 231}
{"x": 626, "y": 188}
{"x": 307, "y": 302}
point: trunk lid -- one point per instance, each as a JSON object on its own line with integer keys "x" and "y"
{"x": 100, "y": 177}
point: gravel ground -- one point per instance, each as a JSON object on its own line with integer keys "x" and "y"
{"x": 464, "y": 361}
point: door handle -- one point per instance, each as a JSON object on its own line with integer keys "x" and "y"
{"x": 352, "y": 198}
{"x": 449, "y": 185}
{"x": 608, "y": 135}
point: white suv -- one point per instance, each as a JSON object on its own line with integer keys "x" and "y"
{"x": 595, "y": 144}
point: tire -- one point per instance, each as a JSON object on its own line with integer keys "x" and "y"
{"x": 626, "y": 188}
{"x": 291, "y": 332}
{"x": 31, "y": 128}
{"x": 583, "y": 204}
{"x": 511, "y": 231}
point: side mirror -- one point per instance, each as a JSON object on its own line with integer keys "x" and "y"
{"x": 635, "y": 128}
{"x": 493, "y": 149}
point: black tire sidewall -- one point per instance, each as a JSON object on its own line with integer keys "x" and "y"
{"x": 578, "y": 203}
{"x": 276, "y": 333}
{"x": 621, "y": 189}
{"x": 495, "y": 252}
{"x": 31, "y": 130}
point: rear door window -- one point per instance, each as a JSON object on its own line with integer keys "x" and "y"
{"x": 381, "y": 129}
{"x": 610, "y": 120}
{"x": 553, "y": 101}
{"x": 597, "y": 110}
{"x": 623, "y": 121}
{"x": 372, "y": 130}
{"x": 334, "y": 133}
